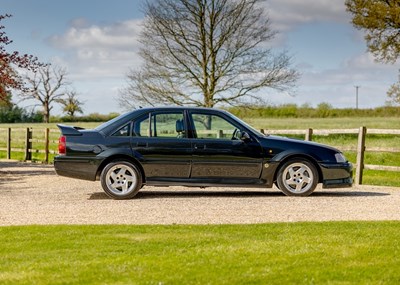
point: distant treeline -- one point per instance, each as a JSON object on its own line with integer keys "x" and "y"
{"x": 16, "y": 114}
{"x": 323, "y": 110}
{"x": 94, "y": 117}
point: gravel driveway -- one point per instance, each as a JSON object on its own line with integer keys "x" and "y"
{"x": 34, "y": 194}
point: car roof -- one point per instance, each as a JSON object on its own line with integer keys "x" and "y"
{"x": 164, "y": 108}
{"x": 177, "y": 108}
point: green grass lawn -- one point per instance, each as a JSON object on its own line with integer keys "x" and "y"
{"x": 283, "y": 253}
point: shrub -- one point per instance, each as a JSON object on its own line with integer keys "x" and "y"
{"x": 15, "y": 114}
{"x": 323, "y": 110}
{"x": 94, "y": 117}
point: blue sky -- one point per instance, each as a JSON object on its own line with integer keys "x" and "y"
{"x": 97, "y": 42}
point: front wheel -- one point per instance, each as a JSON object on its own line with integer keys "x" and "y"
{"x": 121, "y": 180}
{"x": 297, "y": 177}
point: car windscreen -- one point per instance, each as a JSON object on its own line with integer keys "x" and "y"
{"x": 247, "y": 125}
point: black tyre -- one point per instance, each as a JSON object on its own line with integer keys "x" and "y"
{"x": 297, "y": 177}
{"x": 121, "y": 180}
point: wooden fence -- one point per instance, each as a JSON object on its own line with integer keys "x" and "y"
{"x": 25, "y": 138}
{"x": 360, "y": 148}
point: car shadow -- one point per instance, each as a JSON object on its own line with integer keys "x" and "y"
{"x": 5, "y": 178}
{"x": 11, "y": 171}
{"x": 354, "y": 193}
{"x": 190, "y": 194}
{"x": 17, "y": 168}
{"x": 233, "y": 194}
{"x": 15, "y": 175}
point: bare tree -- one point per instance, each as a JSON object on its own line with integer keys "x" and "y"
{"x": 206, "y": 52}
{"x": 46, "y": 85}
{"x": 71, "y": 104}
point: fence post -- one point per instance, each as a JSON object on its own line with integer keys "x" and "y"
{"x": 46, "y": 145}
{"x": 309, "y": 134}
{"x": 360, "y": 155}
{"x": 8, "y": 143}
{"x": 28, "y": 144}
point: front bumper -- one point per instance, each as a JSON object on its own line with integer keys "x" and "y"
{"x": 338, "y": 175}
{"x": 338, "y": 183}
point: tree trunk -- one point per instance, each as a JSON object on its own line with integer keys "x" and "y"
{"x": 46, "y": 112}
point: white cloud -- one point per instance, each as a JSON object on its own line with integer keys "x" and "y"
{"x": 98, "y": 58}
{"x": 367, "y": 61}
{"x": 93, "y": 51}
{"x": 288, "y": 14}
{"x": 356, "y": 70}
{"x": 120, "y": 35}
{"x": 337, "y": 85}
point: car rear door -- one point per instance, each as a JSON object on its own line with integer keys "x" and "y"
{"x": 160, "y": 143}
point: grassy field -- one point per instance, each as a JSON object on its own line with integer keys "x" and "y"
{"x": 372, "y": 177}
{"x": 298, "y": 253}
{"x": 324, "y": 123}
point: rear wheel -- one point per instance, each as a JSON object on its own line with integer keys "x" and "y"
{"x": 297, "y": 177}
{"x": 121, "y": 180}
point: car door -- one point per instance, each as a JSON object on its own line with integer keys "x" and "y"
{"x": 161, "y": 144}
{"x": 218, "y": 150}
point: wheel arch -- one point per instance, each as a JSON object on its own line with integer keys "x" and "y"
{"x": 299, "y": 156}
{"x": 120, "y": 157}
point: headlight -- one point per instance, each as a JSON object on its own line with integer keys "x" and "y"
{"x": 340, "y": 157}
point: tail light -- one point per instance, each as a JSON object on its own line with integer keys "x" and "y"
{"x": 62, "y": 145}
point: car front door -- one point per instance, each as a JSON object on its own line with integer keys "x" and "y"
{"x": 219, "y": 152}
{"x": 161, "y": 144}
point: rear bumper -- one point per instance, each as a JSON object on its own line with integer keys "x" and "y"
{"x": 80, "y": 168}
{"x": 338, "y": 175}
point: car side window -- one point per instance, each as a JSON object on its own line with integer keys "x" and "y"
{"x": 142, "y": 127}
{"x": 123, "y": 132}
{"x": 213, "y": 127}
{"x": 161, "y": 125}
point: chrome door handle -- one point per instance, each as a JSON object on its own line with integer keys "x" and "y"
{"x": 200, "y": 147}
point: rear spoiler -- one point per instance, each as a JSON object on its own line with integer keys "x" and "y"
{"x": 70, "y": 130}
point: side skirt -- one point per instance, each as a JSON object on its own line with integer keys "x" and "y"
{"x": 245, "y": 183}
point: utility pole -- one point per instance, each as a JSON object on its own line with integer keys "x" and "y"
{"x": 357, "y": 87}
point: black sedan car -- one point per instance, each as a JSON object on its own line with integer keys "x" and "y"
{"x": 194, "y": 147}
